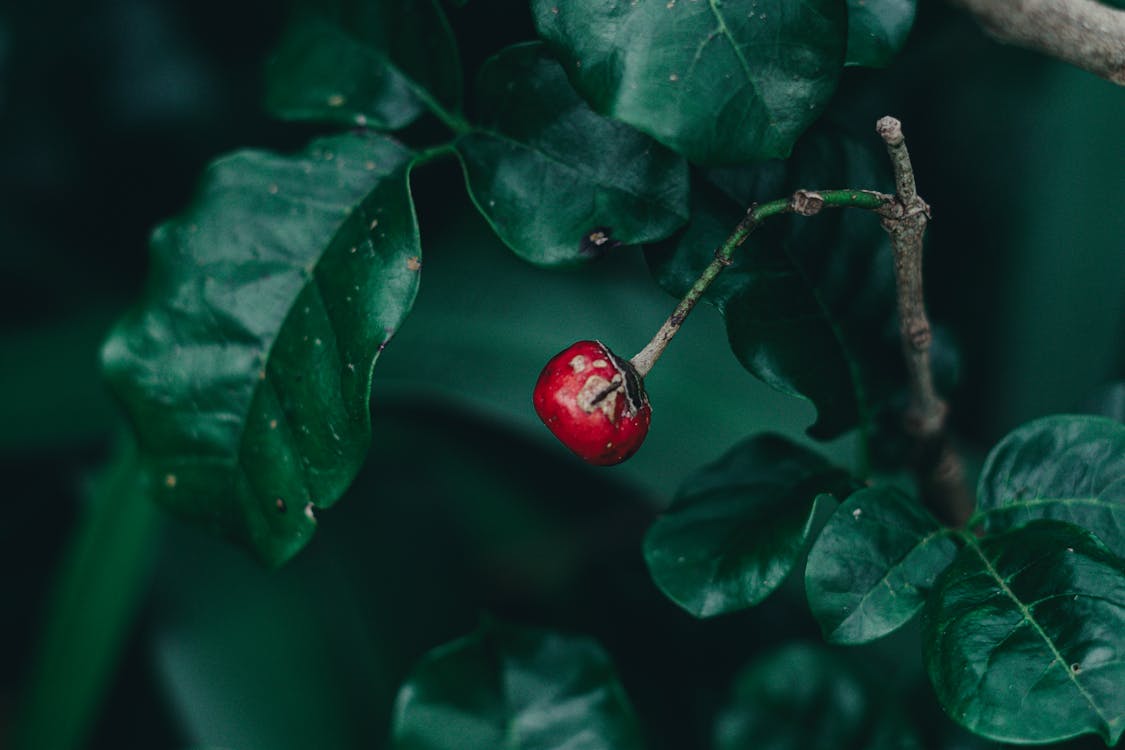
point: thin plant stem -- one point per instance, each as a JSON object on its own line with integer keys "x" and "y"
{"x": 938, "y": 467}
{"x": 802, "y": 202}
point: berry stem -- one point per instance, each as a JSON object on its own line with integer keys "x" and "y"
{"x": 802, "y": 202}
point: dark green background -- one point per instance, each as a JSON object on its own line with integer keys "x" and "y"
{"x": 108, "y": 113}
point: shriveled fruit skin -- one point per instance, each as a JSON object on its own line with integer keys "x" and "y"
{"x": 594, "y": 402}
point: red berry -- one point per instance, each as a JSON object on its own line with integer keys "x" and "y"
{"x": 594, "y": 402}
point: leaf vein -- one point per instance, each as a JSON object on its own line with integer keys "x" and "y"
{"x": 1028, "y": 617}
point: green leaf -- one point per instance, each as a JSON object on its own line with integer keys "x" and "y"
{"x": 514, "y": 688}
{"x": 313, "y": 654}
{"x": 1070, "y": 468}
{"x": 1025, "y": 636}
{"x": 99, "y": 587}
{"x": 247, "y": 368}
{"x": 558, "y": 182}
{"x": 737, "y": 527}
{"x": 873, "y": 564}
{"x": 719, "y": 82}
{"x": 809, "y": 303}
{"x": 877, "y": 29}
{"x": 375, "y": 63}
{"x": 805, "y": 697}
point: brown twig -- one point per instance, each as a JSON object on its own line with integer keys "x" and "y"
{"x": 938, "y": 466}
{"x": 1084, "y": 33}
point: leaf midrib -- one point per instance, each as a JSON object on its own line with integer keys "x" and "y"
{"x": 310, "y": 281}
{"x": 724, "y": 30}
{"x": 921, "y": 543}
{"x": 972, "y": 543}
{"x": 573, "y": 169}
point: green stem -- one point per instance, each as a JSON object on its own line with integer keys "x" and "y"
{"x": 452, "y": 120}
{"x": 433, "y": 154}
{"x": 95, "y": 595}
{"x": 802, "y": 202}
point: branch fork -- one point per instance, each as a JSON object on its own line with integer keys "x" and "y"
{"x": 938, "y": 467}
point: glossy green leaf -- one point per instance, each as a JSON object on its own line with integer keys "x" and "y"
{"x": 1070, "y": 468}
{"x": 738, "y": 526}
{"x": 375, "y": 63}
{"x": 805, "y": 697}
{"x": 877, "y": 29}
{"x": 719, "y": 82}
{"x": 809, "y": 302}
{"x": 246, "y": 369}
{"x": 514, "y": 688}
{"x": 559, "y": 183}
{"x": 873, "y": 564}
{"x": 1025, "y": 636}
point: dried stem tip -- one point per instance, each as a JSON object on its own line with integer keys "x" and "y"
{"x": 890, "y": 130}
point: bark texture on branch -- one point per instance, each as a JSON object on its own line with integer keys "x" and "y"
{"x": 938, "y": 467}
{"x": 1084, "y": 33}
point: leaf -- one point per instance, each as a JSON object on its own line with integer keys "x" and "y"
{"x": 1070, "y": 468}
{"x": 719, "y": 82}
{"x": 804, "y": 697}
{"x": 809, "y": 303}
{"x": 559, "y": 183}
{"x": 514, "y": 688}
{"x": 96, "y": 593}
{"x": 376, "y": 63}
{"x": 312, "y": 655}
{"x": 737, "y": 527}
{"x": 873, "y": 564}
{"x": 247, "y": 368}
{"x": 1025, "y": 636}
{"x": 877, "y": 29}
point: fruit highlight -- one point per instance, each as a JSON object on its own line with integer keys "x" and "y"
{"x": 594, "y": 402}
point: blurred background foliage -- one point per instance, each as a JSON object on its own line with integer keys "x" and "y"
{"x": 467, "y": 505}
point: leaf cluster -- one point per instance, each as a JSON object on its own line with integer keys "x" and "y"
{"x": 246, "y": 368}
{"x": 1023, "y": 613}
